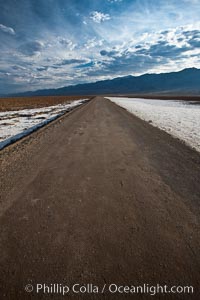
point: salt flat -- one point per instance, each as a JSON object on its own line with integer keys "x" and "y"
{"x": 16, "y": 124}
{"x": 179, "y": 118}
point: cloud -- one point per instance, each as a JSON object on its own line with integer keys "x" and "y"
{"x": 86, "y": 65}
{"x": 71, "y": 61}
{"x": 31, "y": 48}
{"x": 94, "y": 42}
{"x": 43, "y": 68}
{"x": 132, "y": 63}
{"x": 6, "y": 29}
{"x": 67, "y": 43}
{"x": 18, "y": 68}
{"x": 99, "y": 17}
{"x": 165, "y": 49}
{"x": 114, "y": 1}
{"x": 108, "y": 53}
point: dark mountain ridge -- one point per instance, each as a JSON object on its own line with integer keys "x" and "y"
{"x": 186, "y": 81}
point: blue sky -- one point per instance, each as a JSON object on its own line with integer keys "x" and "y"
{"x": 55, "y": 43}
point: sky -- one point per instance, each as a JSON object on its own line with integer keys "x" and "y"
{"x": 55, "y": 43}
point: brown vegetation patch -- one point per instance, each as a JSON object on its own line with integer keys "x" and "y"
{"x": 17, "y": 103}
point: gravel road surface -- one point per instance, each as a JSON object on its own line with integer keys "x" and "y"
{"x": 99, "y": 197}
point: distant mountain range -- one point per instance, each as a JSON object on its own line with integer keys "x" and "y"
{"x": 186, "y": 81}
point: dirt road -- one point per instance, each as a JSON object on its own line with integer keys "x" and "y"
{"x": 99, "y": 197}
